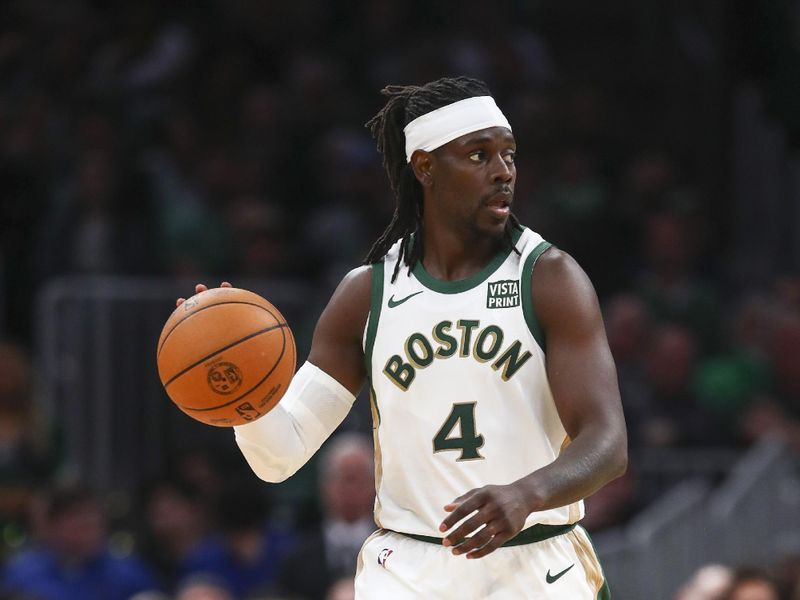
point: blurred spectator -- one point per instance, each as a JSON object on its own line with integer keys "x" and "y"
{"x": 787, "y": 292}
{"x": 4, "y": 595}
{"x": 726, "y": 384}
{"x": 150, "y": 596}
{"x": 613, "y": 504}
{"x": 646, "y": 181}
{"x": 575, "y": 203}
{"x": 192, "y": 238}
{"x": 204, "y": 469}
{"x": 751, "y": 584}
{"x": 785, "y": 358}
{"x": 670, "y": 283}
{"x": 73, "y": 561}
{"x": 338, "y": 233}
{"x": 175, "y": 521}
{"x": 628, "y": 327}
{"x": 787, "y": 568}
{"x": 141, "y": 61}
{"x": 752, "y": 324}
{"x": 26, "y": 452}
{"x": 777, "y": 411}
{"x": 203, "y": 587}
{"x": 342, "y": 589}
{"x": 673, "y": 417}
{"x": 708, "y": 583}
{"x": 263, "y": 125}
{"x": 347, "y": 491}
{"x": 259, "y": 229}
{"x": 100, "y": 224}
{"x": 246, "y": 549}
{"x": 23, "y": 190}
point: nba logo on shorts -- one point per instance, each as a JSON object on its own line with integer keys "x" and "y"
{"x": 383, "y": 555}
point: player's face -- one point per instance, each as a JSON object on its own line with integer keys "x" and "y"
{"x": 474, "y": 177}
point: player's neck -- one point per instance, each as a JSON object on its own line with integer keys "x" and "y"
{"x": 451, "y": 256}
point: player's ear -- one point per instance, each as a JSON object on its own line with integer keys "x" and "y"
{"x": 422, "y": 165}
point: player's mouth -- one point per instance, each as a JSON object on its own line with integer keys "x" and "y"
{"x": 499, "y": 203}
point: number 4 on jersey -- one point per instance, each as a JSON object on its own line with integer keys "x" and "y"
{"x": 463, "y": 416}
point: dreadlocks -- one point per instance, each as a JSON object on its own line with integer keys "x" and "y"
{"x": 405, "y": 104}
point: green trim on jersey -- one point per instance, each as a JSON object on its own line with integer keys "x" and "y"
{"x": 527, "y": 295}
{"x": 462, "y": 285}
{"x": 375, "y": 303}
{"x": 604, "y": 593}
{"x": 531, "y": 535}
{"x": 373, "y": 397}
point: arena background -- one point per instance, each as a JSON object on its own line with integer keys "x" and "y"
{"x": 146, "y": 146}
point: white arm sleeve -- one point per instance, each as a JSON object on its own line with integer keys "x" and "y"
{"x": 282, "y": 441}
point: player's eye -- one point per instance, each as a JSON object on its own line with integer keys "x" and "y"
{"x": 476, "y": 156}
{"x": 509, "y": 157}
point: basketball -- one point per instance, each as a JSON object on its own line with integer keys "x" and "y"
{"x": 226, "y": 356}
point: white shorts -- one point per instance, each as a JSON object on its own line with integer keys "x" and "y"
{"x": 392, "y": 566}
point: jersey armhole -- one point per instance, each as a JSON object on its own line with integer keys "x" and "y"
{"x": 527, "y": 295}
{"x": 375, "y": 303}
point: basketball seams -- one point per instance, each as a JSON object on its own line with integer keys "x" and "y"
{"x": 202, "y": 308}
{"x": 213, "y": 329}
{"x": 226, "y": 347}
{"x": 260, "y": 381}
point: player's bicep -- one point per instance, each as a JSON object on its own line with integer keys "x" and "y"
{"x": 580, "y": 367}
{"x": 336, "y": 345}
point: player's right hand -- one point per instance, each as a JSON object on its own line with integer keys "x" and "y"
{"x": 200, "y": 287}
{"x": 498, "y": 513}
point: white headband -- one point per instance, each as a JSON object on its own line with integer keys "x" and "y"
{"x": 436, "y": 128}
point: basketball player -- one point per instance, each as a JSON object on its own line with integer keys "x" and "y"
{"x": 493, "y": 391}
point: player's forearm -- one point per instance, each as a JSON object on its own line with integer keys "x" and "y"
{"x": 272, "y": 445}
{"x": 283, "y": 440}
{"x": 596, "y": 456}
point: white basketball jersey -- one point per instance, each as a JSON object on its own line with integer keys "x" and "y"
{"x": 460, "y": 396}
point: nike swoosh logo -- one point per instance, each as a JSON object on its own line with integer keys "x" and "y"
{"x": 554, "y": 578}
{"x": 393, "y": 302}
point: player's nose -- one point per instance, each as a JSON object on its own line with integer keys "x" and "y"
{"x": 502, "y": 171}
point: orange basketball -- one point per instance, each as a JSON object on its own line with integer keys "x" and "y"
{"x": 226, "y": 356}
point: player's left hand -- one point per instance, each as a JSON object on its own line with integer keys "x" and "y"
{"x": 501, "y": 512}
{"x": 200, "y": 287}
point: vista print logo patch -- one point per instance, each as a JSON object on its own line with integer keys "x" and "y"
{"x": 502, "y": 294}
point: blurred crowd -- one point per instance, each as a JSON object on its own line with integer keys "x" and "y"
{"x": 220, "y": 139}
{"x": 197, "y": 533}
{"x": 719, "y": 582}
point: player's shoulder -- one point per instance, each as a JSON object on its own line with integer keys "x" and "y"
{"x": 352, "y": 295}
{"x": 556, "y": 266}
{"x": 346, "y": 313}
{"x": 356, "y": 283}
{"x": 561, "y": 289}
